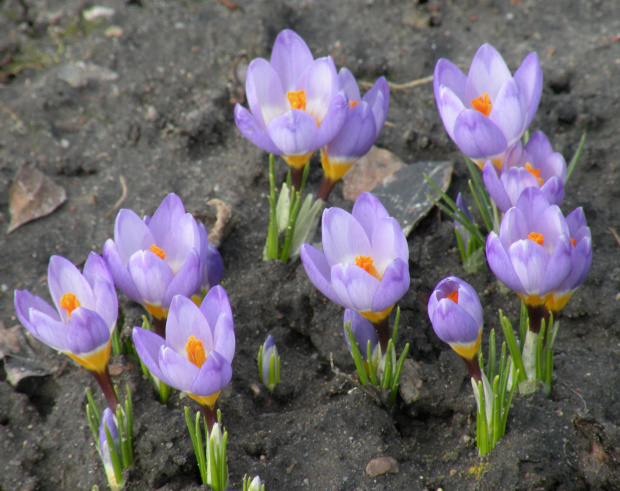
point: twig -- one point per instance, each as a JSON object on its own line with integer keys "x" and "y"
{"x": 613, "y": 232}
{"x": 352, "y": 380}
{"x": 394, "y": 86}
{"x": 13, "y": 115}
{"x": 121, "y": 199}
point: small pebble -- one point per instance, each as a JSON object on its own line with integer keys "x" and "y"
{"x": 381, "y": 465}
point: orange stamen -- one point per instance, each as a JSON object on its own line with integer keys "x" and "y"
{"x": 534, "y": 172}
{"x": 158, "y": 252}
{"x": 454, "y": 296}
{"x": 352, "y": 104}
{"x": 297, "y": 99}
{"x": 195, "y": 351}
{"x": 69, "y": 302}
{"x": 365, "y": 262}
{"x": 483, "y": 104}
{"x": 572, "y": 241}
{"x": 536, "y": 237}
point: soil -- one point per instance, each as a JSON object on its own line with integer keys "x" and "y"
{"x": 158, "y": 117}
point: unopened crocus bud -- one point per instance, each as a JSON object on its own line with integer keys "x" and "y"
{"x": 364, "y": 333}
{"x": 217, "y": 465}
{"x": 269, "y": 364}
{"x": 456, "y": 315}
{"x": 460, "y": 229}
{"x": 108, "y": 421}
{"x": 253, "y": 485}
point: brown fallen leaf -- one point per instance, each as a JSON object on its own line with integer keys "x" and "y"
{"x": 9, "y": 342}
{"x": 32, "y": 195}
{"x": 369, "y": 171}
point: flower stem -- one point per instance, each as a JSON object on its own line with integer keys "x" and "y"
{"x": 210, "y": 414}
{"x": 326, "y": 187}
{"x": 474, "y": 368}
{"x": 536, "y": 315}
{"x": 383, "y": 333}
{"x": 105, "y": 382}
{"x": 297, "y": 175}
{"x": 159, "y": 326}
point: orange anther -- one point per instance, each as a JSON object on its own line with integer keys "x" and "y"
{"x": 572, "y": 241}
{"x": 483, "y": 104}
{"x": 69, "y": 302}
{"x": 534, "y": 172}
{"x": 536, "y": 237}
{"x": 352, "y": 104}
{"x": 454, "y": 296}
{"x": 365, "y": 262}
{"x": 195, "y": 351}
{"x": 297, "y": 99}
{"x": 158, "y": 251}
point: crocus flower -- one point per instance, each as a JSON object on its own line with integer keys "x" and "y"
{"x": 154, "y": 259}
{"x": 456, "y": 315}
{"x": 365, "y": 119}
{"x": 296, "y": 104}
{"x": 460, "y": 229}
{"x": 535, "y": 165}
{"x": 363, "y": 331}
{"x": 108, "y": 420}
{"x": 488, "y": 110}
{"x": 364, "y": 266}
{"x": 82, "y": 322}
{"x": 581, "y": 259}
{"x": 198, "y": 350}
{"x": 266, "y": 353}
{"x": 532, "y": 254}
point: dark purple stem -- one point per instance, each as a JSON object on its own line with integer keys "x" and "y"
{"x": 536, "y": 315}
{"x": 210, "y": 414}
{"x": 159, "y": 326}
{"x": 383, "y": 333}
{"x": 326, "y": 187}
{"x": 474, "y": 368}
{"x": 296, "y": 177}
{"x": 105, "y": 382}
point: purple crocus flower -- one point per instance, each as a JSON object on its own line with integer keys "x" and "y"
{"x": 296, "y": 104}
{"x": 365, "y": 119}
{"x": 581, "y": 259}
{"x": 456, "y": 315}
{"x": 82, "y": 320}
{"x": 363, "y": 331}
{"x": 154, "y": 259}
{"x": 108, "y": 420}
{"x": 364, "y": 266}
{"x": 535, "y": 165}
{"x": 488, "y": 110}
{"x": 198, "y": 350}
{"x": 533, "y": 253}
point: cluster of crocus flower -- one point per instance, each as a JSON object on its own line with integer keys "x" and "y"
{"x": 298, "y": 105}
{"x": 155, "y": 258}
{"x": 364, "y": 265}
{"x": 83, "y": 318}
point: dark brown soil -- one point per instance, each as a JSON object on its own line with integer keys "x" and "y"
{"x": 165, "y": 124}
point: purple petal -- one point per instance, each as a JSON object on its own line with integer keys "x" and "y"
{"x": 166, "y": 217}
{"x": 452, "y": 324}
{"x": 214, "y": 268}
{"x": 148, "y": 345}
{"x": 488, "y": 73}
{"x": 182, "y": 237}
{"x": 320, "y": 83}
{"x": 131, "y": 234}
{"x": 575, "y": 221}
{"x": 355, "y": 287}
{"x": 515, "y": 181}
{"x": 501, "y": 265}
{"x": 151, "y": 275}
{"x": 343, "y": 237}
{"x": 356, "y": 135}
{"x": 513, "y": 227}
{"x": 290, "y": 56}
{"x": 318, "y": 270}
{"x": 378, "y": 98}
{"x": 450, "y": 106}
{"x": 449, "y": 75}
{"x": 581, "y": 259}
{"x": 362, "y": 330}
{"x": 184, "y": 320}
{"x": 214, "y": 375}
{"x": 552, "y": 225}
{"x": 558, "y": 268}
{"x": 187, "y": 280}
{"x": 529, "y": 261}
{"x": 24, "y": 301}
{"x": 334, "y": 118}
{"x": 529, "y": 78}
{"x": 48, "y": 330}
{"x": 388, "y": 243}
{"x": 63, "y": 277}
{"x": 553, "y": 190}
{"x": 477, "y": 136}
{"x": 224, "y": 337}
{"x": 293, "y": 132}
{"x": 87, "y": 331}
{"x": 251, "y": 130}
{"x": 494, "y": 187}
{"x": 215, "y": 304}
{"x": 265, "y": 94}
{"x": 394, "y": 284}
{"x": 96, "y": 266}
{"x": 177, "y": 371}
{"x": 349, "y": 84}
{"x": 120, "y": 273}
{"x": 532, "y": 203}
{"x": 368, "y": 210}
{"x": 509, "y": 112}
{"x": 106, "y": 301}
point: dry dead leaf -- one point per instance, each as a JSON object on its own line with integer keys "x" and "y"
{"x": 9, "y": 342}
{"x": 32, "y": 195}
{"x": 369, "y": 171}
